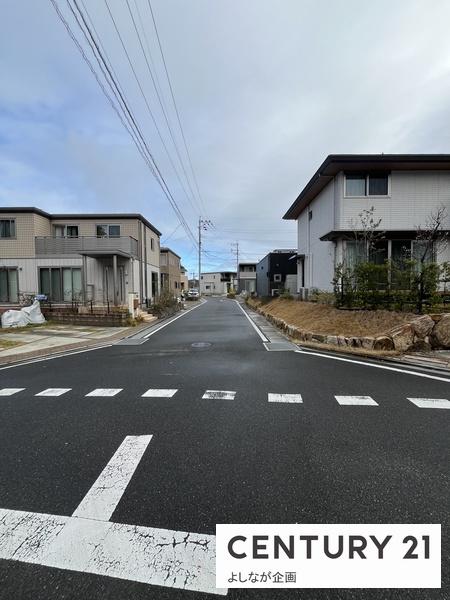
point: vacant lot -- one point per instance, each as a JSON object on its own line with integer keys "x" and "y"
{"x": 322, "y": 318}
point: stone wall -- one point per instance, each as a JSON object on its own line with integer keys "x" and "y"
{"x": 422, "y": 333}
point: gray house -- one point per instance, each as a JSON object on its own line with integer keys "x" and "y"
{"x": 403, "y": 189}
{"x": 276, "y": 272}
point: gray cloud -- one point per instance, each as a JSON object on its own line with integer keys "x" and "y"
{"x": 265, "y": 89}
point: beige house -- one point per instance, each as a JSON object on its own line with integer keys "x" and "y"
{"x": 170, "y": 267}
{"x": 77, "y": 257}
{"x": 184, "y": 279}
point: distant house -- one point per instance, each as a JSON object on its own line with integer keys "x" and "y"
{"x": 218, "y": 283}
{"x": 276, "y": 272}
{"x": 170, "y": 266}
{"x": 404, "y": 190}
{"x": 247, "y": 277}
{"x": 184, "y": 281}
{"x": 77, "y": 257}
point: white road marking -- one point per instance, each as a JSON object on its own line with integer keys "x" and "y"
{"x": 374, "y": 365}
{"x": 103, "y": 497}
{"x": 174, "y": 319}
{"x": 159, "y": 393}
{"x": 104, "y": 392}
{"x": 218, "y": 395}
{"x": 431, "y": 402}
{"x": 356, "y": 400}
{"x": 260, "y": 333}
{"x": 54, "y": 392}
{"x": 285, "y": 398}
{"x": 10, "y": 391}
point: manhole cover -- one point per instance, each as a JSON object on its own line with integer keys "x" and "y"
{"x": 201, "y": 345}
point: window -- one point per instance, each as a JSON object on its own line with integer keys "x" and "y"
{"x": 152, "y": 244}
{"x": 60, "y": 284}
{"x": 277, "y": 277}
{"x": 111, "y": 231}
{"x": 420, "y": 251}
{"x": 378, "y": 185}
{"x": 9, "y": 286}
{"x": 400, "y": 252}
{"x": 363, "y": 184}
{"x": 7, "y": 228}
{"x": 355, "y": 253}
{"x": 65, "y": 231}
{"x": 355, "y": 185}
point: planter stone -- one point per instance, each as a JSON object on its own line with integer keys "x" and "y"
{"x": 403, "y": 337}
{"x": 440, "y": 336}
{"x": 319, "y": 337}
{"x": 367, "y": 343}
{"x": 383, "y": 342}
{"x": 423, "y": 326}
{"x": 332, "y": 339}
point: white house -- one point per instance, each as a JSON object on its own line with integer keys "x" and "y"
{"x": 403, "y": 189}
{"x": 218, "y": 283}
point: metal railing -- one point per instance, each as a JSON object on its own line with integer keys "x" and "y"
{"x": 56, "y": 246}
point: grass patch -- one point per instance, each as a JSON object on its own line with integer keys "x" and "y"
{"x": 322, "y": 318}
{"x": 7, "y": 344}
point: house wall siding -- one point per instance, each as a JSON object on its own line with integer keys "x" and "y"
{"x": 413, "y": 195}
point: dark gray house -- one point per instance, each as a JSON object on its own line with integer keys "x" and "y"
{"x": 276, "y": 272}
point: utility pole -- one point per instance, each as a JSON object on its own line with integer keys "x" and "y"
{"x": 203, "y": 224}
{"x": 235, "y": 250}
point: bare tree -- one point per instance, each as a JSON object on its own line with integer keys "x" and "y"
{"x": 367, "y": 230}
{"x": 433, "y": 238}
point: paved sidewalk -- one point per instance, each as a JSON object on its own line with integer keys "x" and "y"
{"x": 39, "y": 341}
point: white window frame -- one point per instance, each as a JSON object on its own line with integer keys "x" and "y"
{"x": 108, "y": 225}
{"x": 277, "y": 277}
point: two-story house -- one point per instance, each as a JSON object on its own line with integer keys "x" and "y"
{"x": 170, "y": 266}
{"x": 276, "y": 272}
{"x": 403, "y": 189}
{"x": 77, "y": 257}
{"x": 247, "y": 277}
{"x": 217, "y": 283}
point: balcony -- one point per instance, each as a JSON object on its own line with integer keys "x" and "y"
{"x": 87, "y": 245}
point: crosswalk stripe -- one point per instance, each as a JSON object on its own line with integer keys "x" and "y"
{"x": 431, "y": 402}
{"x": 356, "y": 401}
{"x": 159, "y": 393}
{"x": 10, "y": 391}
{"x": 104, "y": 392}
{"x": 218, "y": 395}
{"x": 54, "y": 392}
{"x": 285, "y": 398}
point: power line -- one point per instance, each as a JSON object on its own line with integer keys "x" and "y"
{"x": 161, "y": 103}
{"x": 145, "y": 98}
{"x": 132, "y": 127}
{"x": 176, "y": 107}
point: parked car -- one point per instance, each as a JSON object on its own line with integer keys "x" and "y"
{"x": 193, "y": 293}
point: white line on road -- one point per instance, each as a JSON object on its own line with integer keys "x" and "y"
{"x": 258, "y": 331}
{"x": 10, "y": 391}
{"x": 285, "y": 398}
{"x": 103, "y": 497}
{"x": 159, "y": 393}
{"x": 183, "y": 314}
{"x": 104, "y": 392}
{"x": 431, "y": 402}
{"x": 356, "y": 400}
{"x": 174, "y": 559}
{"x": 54, "y": 392}
{"x": 373, "y": 365}
{"x": 218, "y": 395}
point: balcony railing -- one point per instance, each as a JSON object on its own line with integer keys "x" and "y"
{"x": 55, "y": 246}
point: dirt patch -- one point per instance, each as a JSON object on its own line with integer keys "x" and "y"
{"x": 7, "y": 344}
{"x": 325, "y": 319}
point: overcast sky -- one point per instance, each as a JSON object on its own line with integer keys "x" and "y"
{"x": 265, "y": 90}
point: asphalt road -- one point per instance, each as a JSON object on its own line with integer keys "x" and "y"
{"x": 212, "y": 461}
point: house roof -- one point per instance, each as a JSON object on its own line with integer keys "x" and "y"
{"x": 165, "y": 249}
{"x": 78, "y": 216}
{"x": 334, "y": 163}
